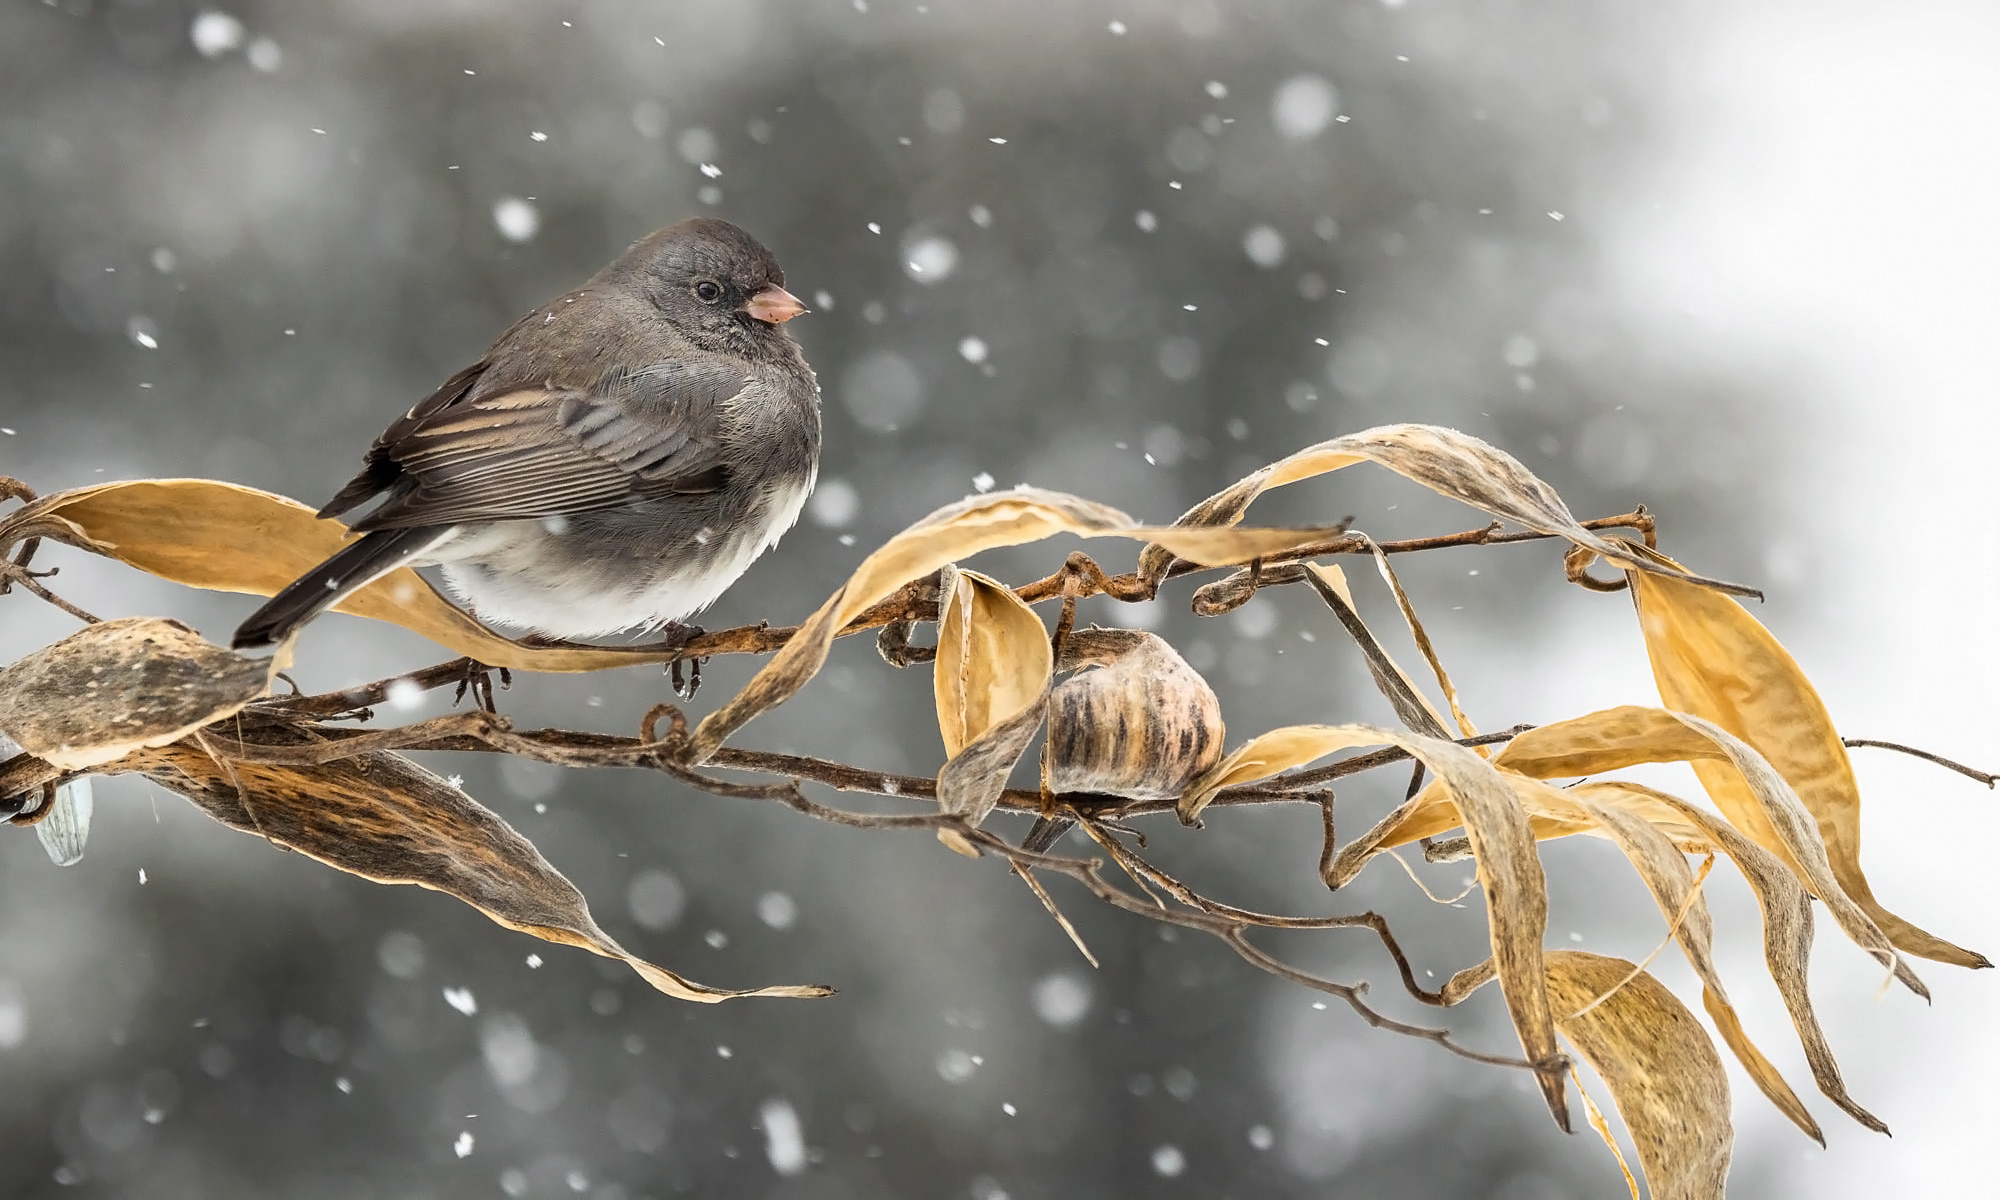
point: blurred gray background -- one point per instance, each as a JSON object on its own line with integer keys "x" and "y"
{"x": 1736, "y": 265}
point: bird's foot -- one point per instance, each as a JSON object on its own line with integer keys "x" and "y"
{"x": 686, "y": 681}
{"x": 476, "y": 677}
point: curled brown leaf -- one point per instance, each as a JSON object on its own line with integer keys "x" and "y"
{"x": 1714, "y": 660}
{"x": 382, "y": 817}
{"x": 1448, "y": 462}
{"x": 1509, "y": 868}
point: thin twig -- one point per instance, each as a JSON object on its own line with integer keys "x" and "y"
{"x": 15, "y": 572}
{"x": 1985, "y": 777}
{"x": 1232, "y": 934}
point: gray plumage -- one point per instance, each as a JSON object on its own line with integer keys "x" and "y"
{"x": 616, "y": 460}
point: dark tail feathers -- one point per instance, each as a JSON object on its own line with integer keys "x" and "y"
{"x": 328, "y": 583}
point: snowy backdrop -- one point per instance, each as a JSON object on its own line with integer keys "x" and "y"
{"x": 1734, "y": 264}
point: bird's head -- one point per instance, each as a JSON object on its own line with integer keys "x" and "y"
{"x": 717, "y": 284}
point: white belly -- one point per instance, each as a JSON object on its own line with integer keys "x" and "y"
{"x": 504, "y": 573}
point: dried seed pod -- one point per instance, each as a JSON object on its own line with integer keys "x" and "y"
{"x": 1132, "y": 720}
{"x": 117, "y": 686}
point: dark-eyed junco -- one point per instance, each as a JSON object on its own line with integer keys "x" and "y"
{"x": 615, "y": 461}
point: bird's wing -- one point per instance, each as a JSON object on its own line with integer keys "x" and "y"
{"x": 547, "y": 451}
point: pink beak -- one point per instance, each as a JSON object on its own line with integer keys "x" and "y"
{"x": 774, "y": 306}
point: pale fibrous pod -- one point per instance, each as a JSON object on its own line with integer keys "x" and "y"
{"x": 1132, "y": 718}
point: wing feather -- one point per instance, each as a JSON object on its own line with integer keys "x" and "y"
{"x": 539, "y": 451}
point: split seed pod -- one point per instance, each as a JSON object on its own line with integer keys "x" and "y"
{"x": 1133, "y": 719}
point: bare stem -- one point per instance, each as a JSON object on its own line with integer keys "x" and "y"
{"x": 1986, "y": 777}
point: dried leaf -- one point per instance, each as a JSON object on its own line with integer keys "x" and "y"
{"x": 1602, "y": 1127}
{"x": 1607, "y": 740}
{"x": 116, "y": 686}
{"x": 1446, "y": 461}
{"x": 1799, "y": 845}
{"x": 1509, "y": 868}
{"x": 1663, "y": 1073}
{"x": 955, "y": 532}
{"x": 1664, "y": 869}
{"x": 971, "y": 783}
{"x": 1788, "y": 927}
{"x": 1621, "y": 737}
{"x": 993, "y": 657}
{"x": 1132, "y": 719}
{"x": 1423, "y": 641}
{"x": 1391, "y": 680}
{"x": 1749, "y": 791}
{"x": 382, "y": 817}
{"x": 1713, "y": 659}
{"x": 1552, "y": 813}
{"x": 993, "y": 671}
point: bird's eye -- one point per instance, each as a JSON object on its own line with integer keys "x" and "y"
{"x": 708, "y": 291}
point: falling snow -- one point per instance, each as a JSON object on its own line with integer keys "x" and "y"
{"x": 777, "y": 910}
{"x": 956, "y": 1066}
{"x": 656, "y": 900}
{"x": 929, "y": 258}
{"x": 216, "y": 33}
{"x": 1303, "y": 106}
{"x": 517, "y": 220}
{"x": 1264, "y": 246}
{"x": 834, "y": 503}
{"x": 1063, "y": 999}
{"x": 784, "y": 1137}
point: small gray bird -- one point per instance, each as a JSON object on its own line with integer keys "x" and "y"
{"x": 616, "y": 460}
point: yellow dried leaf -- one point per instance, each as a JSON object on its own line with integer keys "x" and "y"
{"x": 993, "y": 657}
{"x": 959, "y": 531}
{"x": 1446, "y": 461}
{"x": 1395, "y": 684}
{"x": 1663, "y": 1073}
{"x": 1552, "y": 813}
{"x": 1664, "y": 869}
{"x": 1607, "y": 740}
{"x": 117, "y": 686}
{"x": 1131, "y": 719}
{"x": 1509, "y": 869}
{"x": 382, "y": 817}
{"x": 1788, "y": 927}
{"x": 1595, "y": 1116}
{"x": 1423, "y": 640}
{"x": 1748, "y": 790}
{"x": 1622, "y": 737}
{"x": 993, "y": 671}
{"x": 1713, "y": 659}
{"x": 1798, "y": 844}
